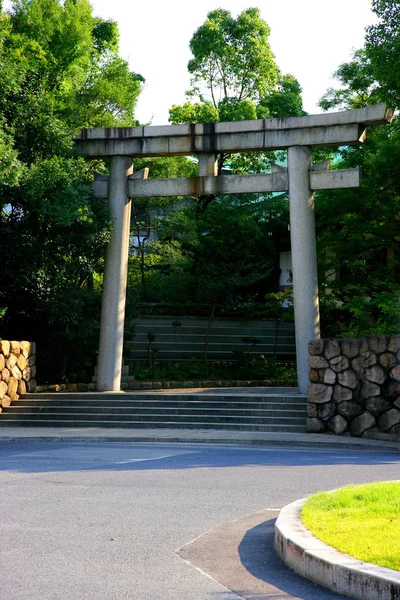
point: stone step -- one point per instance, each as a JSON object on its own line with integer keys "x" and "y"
{"x": 158, "y": 404}
{"x": 278, "y": 394}
{"x": 119, "y": 418}
{"x": 156, "y": 425}
{"x": 152, "y": 410}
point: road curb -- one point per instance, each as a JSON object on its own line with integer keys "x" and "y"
{"x": 320, "y": 445}
{"x": 314, "y": 560}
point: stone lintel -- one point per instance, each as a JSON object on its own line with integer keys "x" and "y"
{"x": 370, "y": 115}
{"x": 213, "y": 142}
{"x": 229, "y": 184}
{"x": 330, "y": 180}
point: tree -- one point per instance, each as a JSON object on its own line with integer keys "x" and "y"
{"x": 234, "y": 66}
{"x": 383, "y": 49}
{"x": 59, "y": 71}
{"x": 359, "y": 230}
{"x": 235, "y": 77}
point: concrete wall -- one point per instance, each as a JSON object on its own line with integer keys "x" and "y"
{"x": 354, "y": 386}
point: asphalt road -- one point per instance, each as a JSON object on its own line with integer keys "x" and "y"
{"x": 159, "y": 521}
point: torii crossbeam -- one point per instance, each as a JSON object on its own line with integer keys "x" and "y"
{"x": 296, "y": 134}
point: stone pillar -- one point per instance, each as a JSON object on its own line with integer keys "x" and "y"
{"x": 109, "y": 366}
{"x": 208, "y": 164}
{"x": 304, "y": 257}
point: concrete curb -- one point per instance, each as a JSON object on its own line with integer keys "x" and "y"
{"x": 314, "y": 560}
{"x": 189, "y": 440}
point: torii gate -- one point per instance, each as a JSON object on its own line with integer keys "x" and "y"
{"x": 296, "y": 134}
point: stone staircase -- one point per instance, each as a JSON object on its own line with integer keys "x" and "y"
{"x": 273, "y": 409}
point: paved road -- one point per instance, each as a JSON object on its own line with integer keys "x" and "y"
{"x": 116, "y": 521}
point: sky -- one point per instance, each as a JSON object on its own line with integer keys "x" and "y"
{"x": 310, "y": 39}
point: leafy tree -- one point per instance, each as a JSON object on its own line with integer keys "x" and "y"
{"x": 233, "y": 65}
{"x": 59, "y": 71}
{"x": 358, "y": 230}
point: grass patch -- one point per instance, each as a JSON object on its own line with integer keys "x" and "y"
{"x": 360, "y": 520}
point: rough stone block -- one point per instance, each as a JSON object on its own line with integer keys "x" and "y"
{"x": 326, "y": 411}
{"x": 21, "y": 362}
{"x": 350, "y": 348}
{"x": 377, "y": 405}
{"x": 2, "y": 362}
{"x": 339, "y": 363}
{"x": 71, "y": 387}
{"x": 341, "y": 393}
{"x": 318, "y": 362}
{"x": 54, "y": 388}
{"x": 3, "y": 389}
{"x": 11, "y": 361}
{"x": 15, "y": 348}
{"x": 31, "y": 386}
{"x": 389, "y": 419}
{"x": 27, "y": 374}
{"x": 375, "y": 374}
{"x": 316, "y": 347}
{"x": 378, "y": 343}
{"x": 12, "y": 388}
{"x": 319, "y": 393}
{"x": 369, "y": 389}
{"x": 15, "y": 372}
{"x": 328, "y": 376}
{"x": 313, "y": 376}
{"x": 367, "y": 359}
{"x": 91, "y": 387}
{"x": 349, "y": 409}
{"x": 362, "y": 423}
{"x": 315, "y": 426}
{"x": 32, "y": 360}
{"x": 356, "y": 366}
{"x": 395, "y": 373}
{"x": 332, "y": 349}
{"x": 25, "y": 348}
{"x": 348, "y": 379}
{"x": 5, "y": 347}
{"x": 21, "y": 387}
{"x": 5, "y": 375}
{"x": 33, "y": 371}
{"x": 337, "y": 425}
{"x": 394, "y": 344}
{"x": 387, "y": 360}
{"x": 393, "y": 390}
{"x": 312, "y": 410}
{"x": 5, "y": 401}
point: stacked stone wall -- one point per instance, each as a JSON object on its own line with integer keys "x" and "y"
{"x": 354, "y": 386}
{"x": 17, "y": 370}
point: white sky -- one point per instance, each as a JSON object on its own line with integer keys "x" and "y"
{"x": 310, "y": 39}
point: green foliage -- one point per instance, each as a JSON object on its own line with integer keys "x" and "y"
{"x": 259, "y": 368}
{"x": 59, "y": 71}
{"x": 359, "y": 230}
{"x": 383, "y": 49}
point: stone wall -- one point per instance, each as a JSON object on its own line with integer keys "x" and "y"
{"x": 354, "y": 386}
{"x": 17, "y": 370}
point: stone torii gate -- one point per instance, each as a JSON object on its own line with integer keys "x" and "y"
{"x": 296, "y": 134}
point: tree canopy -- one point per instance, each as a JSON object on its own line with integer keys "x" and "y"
{"x": 59, "y": 71}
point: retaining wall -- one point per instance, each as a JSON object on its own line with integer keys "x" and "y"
{"x": 17, "y": 370}
{"x": 354, "y": 386}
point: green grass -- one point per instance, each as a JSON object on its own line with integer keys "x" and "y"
{"x": 360, "y": 520}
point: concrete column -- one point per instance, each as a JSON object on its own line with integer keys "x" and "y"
{"x": 304, "y": 257}
{"x": 208, "y": 164}
{"x": 109, "y": 366}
